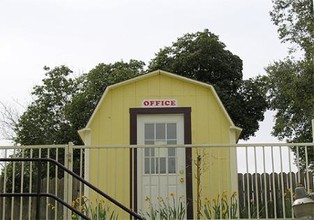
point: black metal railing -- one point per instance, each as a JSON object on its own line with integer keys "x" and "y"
{"x": 40, "y": 194}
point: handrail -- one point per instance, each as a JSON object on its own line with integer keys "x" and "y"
{"x": 120, "y": 205}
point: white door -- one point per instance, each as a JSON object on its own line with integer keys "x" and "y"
{"x": 160, "y": 171}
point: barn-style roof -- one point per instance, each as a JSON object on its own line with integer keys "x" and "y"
{"x": 167, "y": 74}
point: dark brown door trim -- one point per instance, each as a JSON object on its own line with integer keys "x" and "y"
{"x": 186, "y": 111}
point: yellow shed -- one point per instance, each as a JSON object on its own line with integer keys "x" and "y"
{"x": 167, "y": 110}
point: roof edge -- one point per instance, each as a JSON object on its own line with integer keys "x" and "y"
{"x": 238, "y": 131}
{"x": 82, "y": 133}
{"x": 159, "y": 72}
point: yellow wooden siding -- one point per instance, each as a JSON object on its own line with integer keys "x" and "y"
{"x": 110, "y": 126}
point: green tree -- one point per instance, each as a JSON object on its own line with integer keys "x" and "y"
{"x": 201, "y": 56}
{"x": 62, "y": 104}
{"x": 45, "y": 121}
{"x": 291, "y": 81}
{"x": 94, "y": 84}
{"x": 295, "y": 22}
{"x": 291, "y": 94}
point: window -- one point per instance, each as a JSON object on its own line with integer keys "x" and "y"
{"x": 160, "y": 160}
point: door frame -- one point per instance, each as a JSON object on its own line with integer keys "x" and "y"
{"x": 186, "y": 112}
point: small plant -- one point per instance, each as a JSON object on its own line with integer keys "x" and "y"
{"x": 220, "y": 207}
{"x": 166, "y": 209}
{"x": 100, "y": 211}
{"x": 151, "y": 212}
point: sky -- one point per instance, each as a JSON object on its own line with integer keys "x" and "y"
{"x": 83, "y": 33}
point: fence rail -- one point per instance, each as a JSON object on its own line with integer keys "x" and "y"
{"x": 262, "y": 181}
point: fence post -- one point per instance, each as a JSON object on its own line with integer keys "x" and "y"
{"x": 38, "y": 189}
{"x": 68, "y": 179}
{"x": 313, "y": 125}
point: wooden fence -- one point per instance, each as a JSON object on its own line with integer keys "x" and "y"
{"x": 270, "y": 195}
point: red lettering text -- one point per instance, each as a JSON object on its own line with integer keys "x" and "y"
{"x": 159, "y": 102}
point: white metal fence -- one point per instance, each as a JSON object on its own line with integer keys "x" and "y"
{"x": 262, "y": 187}
{"x": 21, "y": 177}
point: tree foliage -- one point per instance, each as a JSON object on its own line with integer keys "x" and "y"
{"x": 44, "y": 121}
{"x": 295, "y": 22}
{"x": 291, "y": 94}
{"x": 62, "y": 105}
{"x": 94, "y": 84}
{"x": 291, "y": 81}
{"x": 201, "y": 56}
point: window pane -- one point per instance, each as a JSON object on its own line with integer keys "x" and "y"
{"x": 149, "y": 131}
{"x": 162, "y": 165}
{"x": 149, "y": 142}
{"x": 171, "y": 131}
{"x": 146, "y": 166}
{"x": 171, "y": 141}
{"x": 171, "y": 165}
{"x": 152, "y": 164}
{"x": 152, "y": 152}
{"x": 160, "y": 131}
{"x": 171, "y": 152}
{"x": 146, "y": 150}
